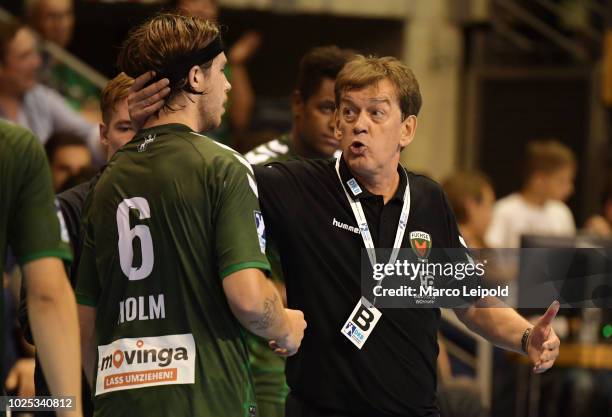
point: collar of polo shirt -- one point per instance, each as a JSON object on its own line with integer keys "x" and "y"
{"x": 347, "y": 176}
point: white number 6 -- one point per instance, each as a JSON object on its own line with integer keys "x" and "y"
{"x": 127, "y": 235}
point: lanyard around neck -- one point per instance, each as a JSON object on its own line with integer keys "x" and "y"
{"x": 363, "y": 223}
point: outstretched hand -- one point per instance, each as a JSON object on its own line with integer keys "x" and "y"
{"x": 543, "y": 344}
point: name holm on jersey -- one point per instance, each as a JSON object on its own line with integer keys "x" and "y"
{"x": 142, "y": 308}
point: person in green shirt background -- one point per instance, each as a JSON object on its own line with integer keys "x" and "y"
{"x": 32, "y": 227}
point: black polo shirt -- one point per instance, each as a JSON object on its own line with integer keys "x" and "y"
{"x": 394, "y": 374}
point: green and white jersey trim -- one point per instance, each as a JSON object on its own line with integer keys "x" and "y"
{"x": 270, "y": 150}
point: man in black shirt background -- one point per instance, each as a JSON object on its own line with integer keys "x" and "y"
{"x": 308, "y": 209}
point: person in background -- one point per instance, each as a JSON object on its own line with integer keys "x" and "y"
{"x": 242, "y": 98}
{"x": 26, "y": 102}
{"x": 68, "y": 156}
{"x": 313, "y": 106}
{"x": 472, "y": 198}
{"x": 539, "y": 207}
{"x": 53, "y": 20}
{"x": 601, "y": 224}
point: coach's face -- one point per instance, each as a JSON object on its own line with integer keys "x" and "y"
{"x": 370, "y": 127}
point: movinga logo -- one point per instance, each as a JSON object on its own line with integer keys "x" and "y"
{"x": 163, "y": 357}
{"x": 146, "y": 361}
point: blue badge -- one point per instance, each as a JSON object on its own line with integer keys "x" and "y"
{"x": 261, "y": 230}
{"x": 355, "y": 188}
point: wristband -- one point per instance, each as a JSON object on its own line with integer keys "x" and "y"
{"x": 525, "y": 339}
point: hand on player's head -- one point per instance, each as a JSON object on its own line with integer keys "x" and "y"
{"x": 145, "y": 102}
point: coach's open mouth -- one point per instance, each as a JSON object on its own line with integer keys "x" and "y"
{"x": 358, "y": 147}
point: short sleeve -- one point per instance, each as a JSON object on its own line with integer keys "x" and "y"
{"x": 496, "y": 236}
{"x": 239, "y": 224}
{"x": 277, "y": 194}
{"x": 37, "y": 229}
{"x": 88, "y": 282}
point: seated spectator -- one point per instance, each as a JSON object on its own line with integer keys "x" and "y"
{"x": 68, "y": 157}
{"x": 54, "y": 21}
{"x": 26, "y": 102}
{"x": 471, "y": 196}
{"x": 538, "y": 208}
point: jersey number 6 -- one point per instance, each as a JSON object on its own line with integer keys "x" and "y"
{"x": 127, "y": 235}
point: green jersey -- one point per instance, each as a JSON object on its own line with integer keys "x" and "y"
{"x": 30, "y": 222}
{"x": 269, "y": 368}
{"x": 276, "y": 150}
{"x": 171, "y": 216}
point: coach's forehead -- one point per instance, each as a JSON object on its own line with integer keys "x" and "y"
{"x": 378, "y": 92}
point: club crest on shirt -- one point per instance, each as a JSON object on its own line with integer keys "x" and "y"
{"x": 420, "y": 242}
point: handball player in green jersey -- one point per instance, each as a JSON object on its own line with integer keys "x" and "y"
{"x": 173, "y": 257}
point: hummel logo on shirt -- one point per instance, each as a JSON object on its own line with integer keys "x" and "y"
{"x": 345, "y": 226}
{"x": 143, "y": 146}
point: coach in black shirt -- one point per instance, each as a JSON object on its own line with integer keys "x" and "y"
{"x": 306, "y": 206}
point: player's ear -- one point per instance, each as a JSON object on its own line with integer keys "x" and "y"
{"x": 195, "y": 79}
{"x": 103, "y": 134}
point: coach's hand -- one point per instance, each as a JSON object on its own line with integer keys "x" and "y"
{"x": 290, "y": 344}
{"x": 145, "y": 102}
{"x": 543, "y": 343}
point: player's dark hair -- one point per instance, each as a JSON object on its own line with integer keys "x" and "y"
{"x": 320, "y": 63}
{"x": 59, "y": 140}
{"x": 162, "y": 39}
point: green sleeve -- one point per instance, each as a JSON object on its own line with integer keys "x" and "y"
{"x": 37, "y": 229}
{"x": 240, "y": 230}
{"x": 88, "y": 283}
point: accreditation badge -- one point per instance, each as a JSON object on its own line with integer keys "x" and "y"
{"x": 361, "y": 322}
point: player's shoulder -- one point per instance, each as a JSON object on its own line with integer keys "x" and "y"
{"x": 217, "y": 156}
{"x": 16, "y": 139}
{"x": 301, "y": 169}
{"x": 73, "y": 199}
{"x": 270, "y": 151}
